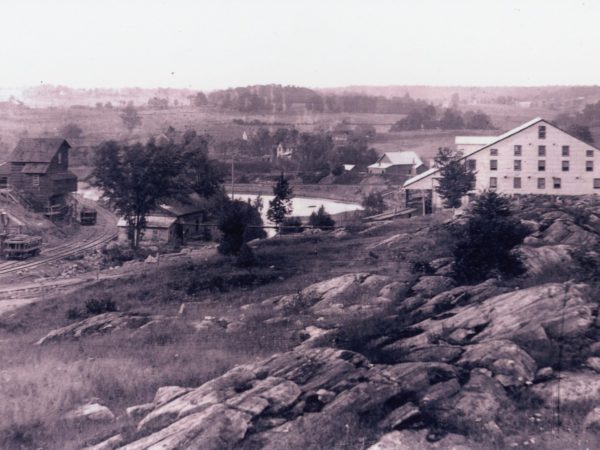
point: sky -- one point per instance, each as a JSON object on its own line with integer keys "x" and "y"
{"x": 209, "y": 45}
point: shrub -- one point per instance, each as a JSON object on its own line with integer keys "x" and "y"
{"x": 239, "y": 222}
{"x": 321, "y": 219}
{"x": 100, "y": 305}
{"x": 483, "y": 244}
{"x": 373, "y": 203}
{"x": 291, "y": 225}
{"x": 246, "y": 257}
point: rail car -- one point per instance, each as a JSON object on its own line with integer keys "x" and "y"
{"x": 87, "y": 216}
{"x": 22, "y": 246}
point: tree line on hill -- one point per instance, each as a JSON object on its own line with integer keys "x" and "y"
{"x": 429, "y": 117}
{"x": 277, "y": 98}
{"x": 579, "y": 123}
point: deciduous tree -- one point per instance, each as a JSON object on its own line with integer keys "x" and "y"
{"x": 456, "y": 178}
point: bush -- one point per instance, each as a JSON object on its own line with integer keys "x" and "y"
{"x": 483, "y": 244}
{"x": 291, "y": 225}
{"x": 96, "y": 306}
{"x": 239, "y": 222}
{"x": 373, "y": 203}
{"x": 246, "y": 257}
{"x": 321, "y": 219}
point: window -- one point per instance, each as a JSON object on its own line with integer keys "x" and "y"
{"x": 589, "y": 153}
{"x": 518, "y": 150}
{"x": 565, "y": 166}
{"x": 556, "y": 183}
{"x": 35, "y": 180}
{"x": 589, "y": 166}
{"x": 60, "y": 157}
{"x": 542, "y": 132}
{"x": 541, "y": 165}
{"x": 541, "y": 150}
{"x": 3, "y": 182}
{"x": 541, "y": 183}
{"x": 493, "y": 164}
{"x": 494, "y": 152}
{"x": 471, "y": 164}
{"x": 565, "y": 150}
{"x": 155, "y": 235}
{"x": 596, "y": 183}
{"x": 517, "y": 164}
{"x": 517, "y": 183}
{"x": 493, "y": 182}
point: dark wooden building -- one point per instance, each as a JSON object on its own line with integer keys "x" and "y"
{"x": 38, "y": 169}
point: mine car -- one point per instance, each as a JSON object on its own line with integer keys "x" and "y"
{"x": 22, "y": 246}
{"x": 87, "y": 216}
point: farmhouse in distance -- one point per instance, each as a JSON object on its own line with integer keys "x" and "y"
{"x": 536, "y": 157}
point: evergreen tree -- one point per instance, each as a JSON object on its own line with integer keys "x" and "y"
{"x": 484, "y": 243}
{"x": 456, "y": 177}
{"x": 321, "y": 219}
{"x": 281, "y": 205}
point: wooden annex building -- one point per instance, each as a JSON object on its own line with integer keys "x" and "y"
{"x": 38, "y": 170}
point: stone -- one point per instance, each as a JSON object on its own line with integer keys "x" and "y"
{"x": 437, "y": 353}
{"x": 574, "y": 388}
{"x": 394, "y": 290}
{"x": 540, "y": 260}
{"x": 418, "y": 440}
{"x": 544, "y": 374}
{"x": 138, "y": 412}
{"x": 508, "y": 362}
{"x": 593, "y": 362}
{"x": 592, "y": 420}
{"x": 166, "y": 394}
{"x": 400, "y": 417}
{"x": 431, "y": 285}
{"x": 595, "y": 349}
{"x": 93, "y": 412}
{"x": 108, "y": 444}
{"x": 98, "y": 324}
{"x": 214, "y": 428}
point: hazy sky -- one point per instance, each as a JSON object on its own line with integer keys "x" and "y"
{"x": 218, "y": 44}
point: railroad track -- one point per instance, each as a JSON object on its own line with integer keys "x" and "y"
{"x": 92, "y": 240}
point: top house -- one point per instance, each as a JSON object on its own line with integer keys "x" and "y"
{"x": 39, "y": 170}
{"x": 398, "y": 163}
{"x": 534, "y": 158}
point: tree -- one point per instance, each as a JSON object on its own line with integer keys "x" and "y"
{"x": 71, "y": 130}
{"x": 373, "y": 203}
{"x": 451, "y": 120}
{"x": 239, "y": 222}
{"x": 456, "y": 177}
{"x": 135, "y": 179}
{"x": 199, "y": 99}
{"x": 130, "y": 117}
{"x": 199, "y": 173}
{"x": 581, "y": 132}
{"x": 484, "y": 243}
{"x": 281, "y": 205}
{"x": 478, "y": 121}
{"x": 321, "y": 219}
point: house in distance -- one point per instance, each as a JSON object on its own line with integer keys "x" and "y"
{"x": 38, "y": 169}
{"x": 405, "y": 163}
{"x": 534, "y": 158}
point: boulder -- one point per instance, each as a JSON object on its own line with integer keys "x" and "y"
{"x": 138, "y": 412}
{"x": 401, "y": 417}
{"x": 431, "y": 285}
{"x": 92, "y": 412}
{"x": 394, "y": 290}
{"x": 166, "y": 394}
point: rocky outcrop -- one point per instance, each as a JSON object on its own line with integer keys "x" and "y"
{"x": 99, "y": 324}
{"x": 539, "y": 260}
